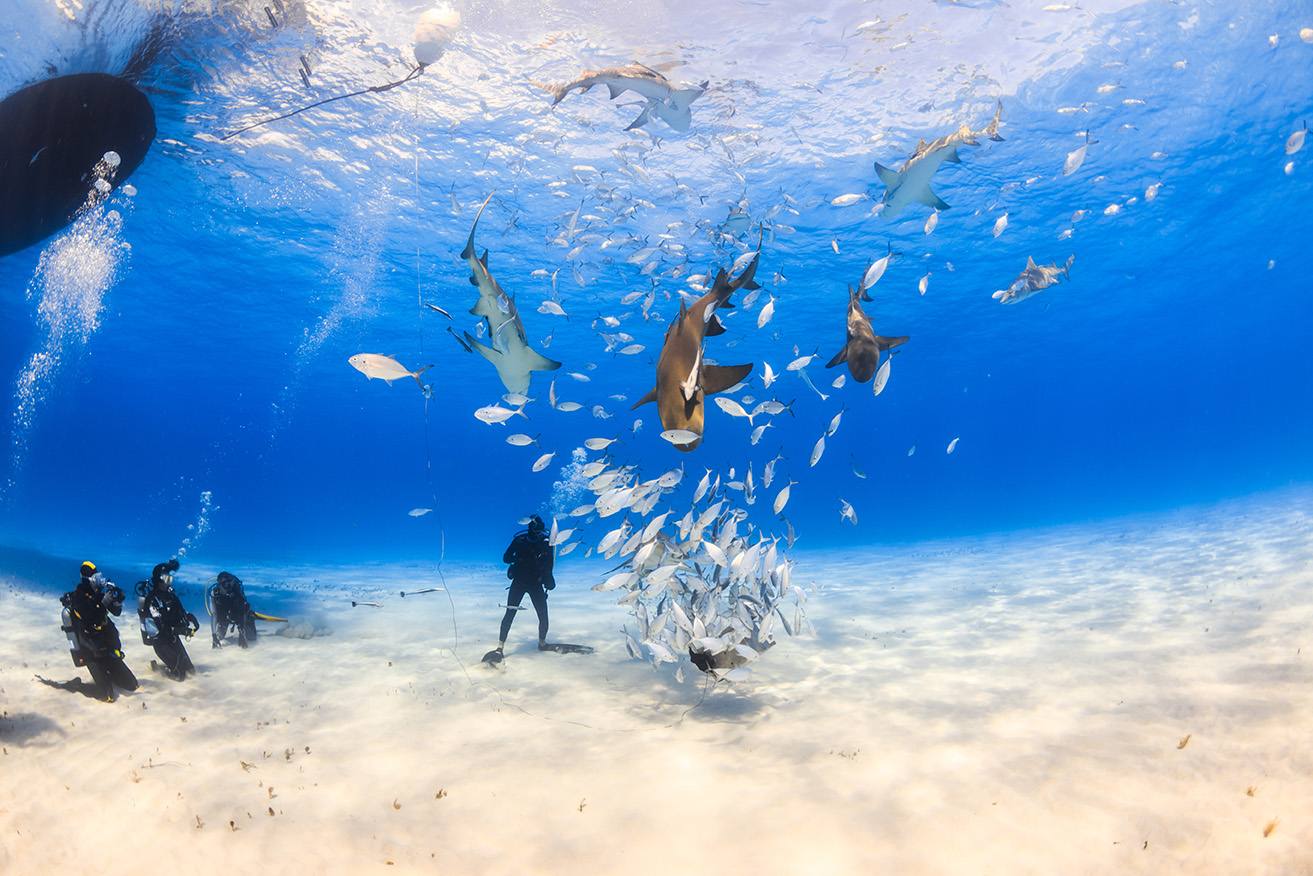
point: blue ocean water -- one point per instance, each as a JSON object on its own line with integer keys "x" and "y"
{"x": 175, "y": 375}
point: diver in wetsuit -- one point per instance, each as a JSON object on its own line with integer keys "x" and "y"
{"x": 164, "y": 621}
{"x": 531, "y": 559}
{"x": 93, "y": 639}
{"x": 229, "y": 608}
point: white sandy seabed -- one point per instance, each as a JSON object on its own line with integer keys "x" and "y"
{"x": 1122, "y": 697}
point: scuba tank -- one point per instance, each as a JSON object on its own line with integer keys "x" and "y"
{"x": 149, "y": 631}
{"x": 76, "y": 647}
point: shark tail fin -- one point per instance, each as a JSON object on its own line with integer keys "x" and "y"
{"x": 558, "y": 92}
{"x": 468, "y": 251}
{"x": 1066, "y": 268}
{"x": 650, "y": 397}
{"x": 889, "y": 343}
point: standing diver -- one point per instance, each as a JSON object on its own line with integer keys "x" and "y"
{"x": 164, "y": 621}
{"x": 531, "y": 559}
{"x": 93, "y": 640}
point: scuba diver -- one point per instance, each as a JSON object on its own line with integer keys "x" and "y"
{"x": 164, "y": 621}
{"x": 226, "y": 601}
{"x": 531, "y": 559}
{"x": 93, "y": 640}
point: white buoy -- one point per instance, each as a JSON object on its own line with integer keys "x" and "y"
{"x": 434, "y": 28}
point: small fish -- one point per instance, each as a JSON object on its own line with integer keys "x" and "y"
{"x": 847, "y": 200}
{"x": 1076, "y": 158}
{"x": 385, "y": 368}
{"x": 757, "y": 433}
{"x": 782, "y": 497}
{"x": 568, "y": 406}
{"x": 911, "y": 450}
{"x": 952, "y": 444}
{"x": 802, "y": 372}
{"x": 1000, "y": 224}
{"x": 857, "y": 471}
{"x": 881, "y": 376}
{"x": 847, "y": 512}
{"x": 551, "y": 307}
{"x": 419, "y": 512}
{"x": 521, "y": 440}
{"x": 839, "y": 381}
{"x": 600, "y": 443}
{"x": 733, "y": 408}
{"x": 932, "y": 222}
{"x": 1295, "y": 141}
{"x": 834, "y": 245}
{"x": 875, "y": 270}
{"x": 925, "y": 282}
{"x": 767, "y": 311}
{"x": 817, "y": 450}
{"x": 834, "y": 424}
{"x": 768, "y": 374}
{"x": 354, "y": 604}
{"x": 800, "y": 363}
{"x": 437, "y": 309}
{"x": 543, "y": 461}
{"x": 680, "y": 436}
{"x": 497, "y": 414}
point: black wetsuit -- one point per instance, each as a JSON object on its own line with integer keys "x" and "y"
{"x": 172, "y": 622}
{"x": 103, "y": 648}
{"x": 531, "y": 560}
{"x": 231, "y": 609}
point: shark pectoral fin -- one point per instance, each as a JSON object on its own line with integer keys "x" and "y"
{"x": 951, "y": 155}
{"x": 616, "y": 90}
{"x": 839, "y": 357}
{"x": 930, "y": 199}
{"x": 650, "y": 397}
{"x": 484, "y": 307}
{"x": 538, "y": 362}
{"x": 891, "y": 178}
{"x": 889, "y": 343}
{"x": 714, "y": 328}
{"x": 482, "y": 349}
{"x": 718, "y": 378}
{"x": 642, "y": 118}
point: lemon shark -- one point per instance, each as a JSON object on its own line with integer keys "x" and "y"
{"x": 911, "y": 182}
{"x": 668, "y": 103}
{"x": 509, "y": 353}
{"x": 683, "y": 379}
{"x": 1033, "y": 279}
{"x": 863, "y": 347}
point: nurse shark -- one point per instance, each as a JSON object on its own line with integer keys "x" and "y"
{"x": 911, "y": 182}
{"x": 509, "y": 353}
{"x": 670, "y": 104}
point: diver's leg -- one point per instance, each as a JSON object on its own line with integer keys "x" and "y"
{"x": 218, "y": 625}
{"x": 120, "y": 673}
{"x": 185, "y": 666}
{"x": 539, "y": 598}
{"x": 100, "y": 677}
{"x": 513, "y": 600}
{"x": 169, "y": 650}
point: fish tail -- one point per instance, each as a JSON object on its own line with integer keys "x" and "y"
{"x": 416, "y": 374}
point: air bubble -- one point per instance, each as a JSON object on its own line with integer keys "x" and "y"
{"x": 128, "y": 190}
{"x": 112, "y": 158}
{"x": 102, "y": 186}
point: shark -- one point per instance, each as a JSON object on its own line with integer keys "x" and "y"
{"x": 683, "y": 378}
{"x": 666, "y": 102}
{"x": 863, "y": 347}
{"x": 510, "y": 353}
{"x": 911, "y": 182}
{"x": 1033, "y": 279}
